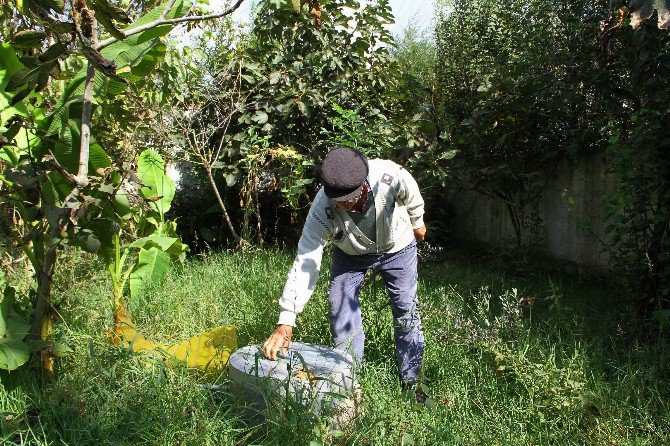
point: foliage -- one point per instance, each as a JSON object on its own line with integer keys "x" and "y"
{"x": 298, "y": 72}
{"x": 61, "y": 66}
{"x": 309, "y": 76}
{"x": 517, "y": 94}
{"x": 642, "y": 10}
{"x": 154, "y": 238}
{"x": 14, "y": 352}
{"x": 638, "y": 208}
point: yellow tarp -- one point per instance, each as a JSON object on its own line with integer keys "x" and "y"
{"x": 208, "y": 351}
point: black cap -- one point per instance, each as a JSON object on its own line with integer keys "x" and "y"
{"x": 343, "y": 172}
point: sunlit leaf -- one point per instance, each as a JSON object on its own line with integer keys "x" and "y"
{"x": 158, "y": 186}
{"x": 13, "y": 353}
{"x": 150, "y": 272}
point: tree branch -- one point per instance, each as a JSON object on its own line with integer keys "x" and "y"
{"x": 162, "y": 21}
{"x": 82, "y": 173}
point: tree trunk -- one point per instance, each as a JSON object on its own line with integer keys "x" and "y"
{"x": 44, "y": 280}
{"x": 222, "y": 205}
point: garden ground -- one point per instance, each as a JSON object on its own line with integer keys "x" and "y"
{"x": 515, "y": 356}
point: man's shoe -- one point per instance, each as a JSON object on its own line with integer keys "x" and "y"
{"x": 415, "y": 391}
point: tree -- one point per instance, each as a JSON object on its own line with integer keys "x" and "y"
{"x": 517, "y": 94}
{"x": 634, "y": 71}
{"x": 310, "y": 74}
{"x": 62, "y": 66}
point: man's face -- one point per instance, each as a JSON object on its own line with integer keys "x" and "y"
{"x": 348, "y": 204}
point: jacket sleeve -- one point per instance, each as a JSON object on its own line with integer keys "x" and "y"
{"x": 409, "y": 195}
{"x": 304, "y": 273}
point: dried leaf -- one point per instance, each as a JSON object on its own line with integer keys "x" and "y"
{"x": 640, "y": 10}
{"x": 663, "y": 8}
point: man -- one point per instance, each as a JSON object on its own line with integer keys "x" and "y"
{"x": 373, "y": 212}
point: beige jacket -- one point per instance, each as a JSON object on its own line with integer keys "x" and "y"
{"x": 399, "y": 210}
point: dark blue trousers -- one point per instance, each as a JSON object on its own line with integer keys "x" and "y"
{"x": 399, "y": 272}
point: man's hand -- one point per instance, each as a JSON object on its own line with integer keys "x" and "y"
{"x": 279, "y": 339}
{"x": 420, "y": 233}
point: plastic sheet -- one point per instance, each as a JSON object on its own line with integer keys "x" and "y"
{"x": 209, "y": 351}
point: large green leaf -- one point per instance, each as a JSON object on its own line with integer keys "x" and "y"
{"x": 67, "y": 150}
{"x": 171, "y": 245}
{"x": 159, "y": 188}
{"x": 107, "y": 13}
{"x": 133, "y": 54}
{"x": 121, "y": 203}
{"x": 28, "y": 38}
{"x": 13, "y": 353}
{"x": 179, "y": 9}
{"x": 108, "y": 24}
{"x": 161, "y": 242}
{"x": 7, "y": 295}
{"x": 150, "y": 271}
{"x": 13, "y": 325}
{"x": 9, "y": 65}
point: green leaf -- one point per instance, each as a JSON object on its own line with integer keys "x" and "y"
{"x": 407, "y": 439}
{"x": 121, "y": 203}
{"x": 9, "y": 65}
{"x": 150, "y": 271}
{"x": 21, "y": 78}
{"x": 68, "y": 146}
{"x": 108, "y": 24}
{"x": 56, "y": 348}
{"x": 260, "y": 117}
{"x": 232, "y": 178}
{"x": 159, "y": 188}
{"x": 179, "y": 9}
{"x": 171, "y": 245}
{"x": 113, "y": 12}
{"x": 53, "y": 52}
{"x": 28, "y": 38}
{"x": 13, "y": 353}
{"x": 161, "y": 242}
{"x": 59, "y": 349}
{"x": 8, "y": 296}
{"x": 296, "y": 5}
{"x": 13, "y": 325}
{"x": 86, "y": 240}
{"x": 104, "y": 230}
{"x": 154, "y": 33}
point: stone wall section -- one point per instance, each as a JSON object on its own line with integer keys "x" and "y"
{"x": 548, "y": 225}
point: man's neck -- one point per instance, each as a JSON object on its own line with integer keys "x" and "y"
{"x": 361, "y": 204}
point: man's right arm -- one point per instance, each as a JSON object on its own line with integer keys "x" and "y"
{"x": 302, "y": 278}
{"x": 304, "y": 273}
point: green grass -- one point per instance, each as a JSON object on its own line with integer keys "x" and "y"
{"x": 569, "y": 366}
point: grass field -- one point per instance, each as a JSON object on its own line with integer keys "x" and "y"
{"x": 531, "y": 358}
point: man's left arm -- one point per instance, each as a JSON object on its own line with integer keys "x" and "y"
{"x": 410, "y": 196}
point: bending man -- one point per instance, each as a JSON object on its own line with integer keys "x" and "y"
{"x": 372, "y": 210}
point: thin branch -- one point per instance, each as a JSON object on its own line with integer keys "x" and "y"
{"x": 159, "y": 22}
{"x": 167, "y": 9}
{"x": 82, "y": 173}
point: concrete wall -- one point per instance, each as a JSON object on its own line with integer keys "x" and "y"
{"x": 548, "y": 225}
